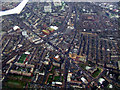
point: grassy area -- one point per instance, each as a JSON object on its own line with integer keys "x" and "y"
{"x": 96, "y": 73}
{"x": 20, "y": 77}
{"x": 49, "y": 79}
{"x": 22, "y": 58}
{"x": 16, "y": 76}
{"x": 20, "y": 68}
{"x": 14, "y": 84}
{"x": 15, "y": 81}
{"x": 46, "y": 31}
{"x": 82, "y": 66}
{"x": 57, "y": 78}
{"x": 50, "y": 29}
{"x": 53, "y": 68}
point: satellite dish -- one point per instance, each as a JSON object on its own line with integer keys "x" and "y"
{"x": 15, "y": 10}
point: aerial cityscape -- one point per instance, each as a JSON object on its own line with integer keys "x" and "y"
{"x": 61, "y": 45}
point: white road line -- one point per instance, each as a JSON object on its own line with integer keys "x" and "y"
{"x": 15, "y": 10}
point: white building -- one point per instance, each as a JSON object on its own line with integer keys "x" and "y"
{"x": 84, "y": 80}
{"x": 101, "y": 80}
{"x": 57, "y": 2}
{"x": 69, "y": 77}
{"x": 47, "y": 9}
{"x": 16, "y": 28}
{"x": 24, "y": 33}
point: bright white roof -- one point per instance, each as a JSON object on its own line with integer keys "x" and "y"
{"x": 110, "y": 86}
{"x": 24, "y": 33}
{"x": 101, "y": 80}
{"x": 87, "y": 67}
{"x": 59, "y": 83}
{"x": 57, "y": 56}
{"x": 16, "y": 27}
{"x": 54, "y": 27}
{"x": 27, "y": 52}
{"x": 83, "y": 79}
